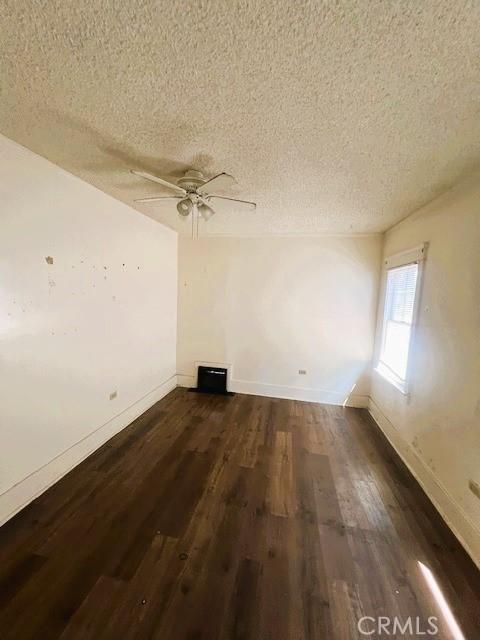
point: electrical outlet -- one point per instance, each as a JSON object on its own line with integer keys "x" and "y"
{"x": 113, "y": 395}
{"x": 474, "y": 488}
{"x": 302, "y": 372}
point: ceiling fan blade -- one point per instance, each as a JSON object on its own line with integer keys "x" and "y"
{"x": 165, "y": 183}
{"x": 160, "y": 199}
{"x": 239, "y": 205}
{"x": 222, "y": 181}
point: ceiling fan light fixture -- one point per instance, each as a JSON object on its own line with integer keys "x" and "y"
{"x": 205, "y": 211}
{"x": 184, "y": 207}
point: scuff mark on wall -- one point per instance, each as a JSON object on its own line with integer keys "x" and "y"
{"x": 49, "y": 260}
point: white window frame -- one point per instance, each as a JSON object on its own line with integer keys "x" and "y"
{"x": 416, "y": 255}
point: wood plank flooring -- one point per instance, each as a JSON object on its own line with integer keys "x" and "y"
{"x": 238, "y": 517}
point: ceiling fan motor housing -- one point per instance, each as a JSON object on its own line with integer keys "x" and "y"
{"x": 191, "y": 180}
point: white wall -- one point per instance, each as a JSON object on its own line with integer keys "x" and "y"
{"x": 437, "y": 429}
{"x": 272, "y": 306}
{"x": 101, "y": 318}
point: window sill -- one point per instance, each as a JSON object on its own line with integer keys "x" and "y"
{"x": 387, "y": 375}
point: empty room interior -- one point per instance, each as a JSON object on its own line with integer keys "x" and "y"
{"x": 239, "y": 320}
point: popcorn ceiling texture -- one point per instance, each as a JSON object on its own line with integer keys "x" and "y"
{"x": 334, "y": 116}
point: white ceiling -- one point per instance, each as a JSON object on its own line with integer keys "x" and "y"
{"x": 333, "y": 116}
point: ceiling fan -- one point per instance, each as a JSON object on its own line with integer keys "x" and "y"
{"x": 195, "y": 195}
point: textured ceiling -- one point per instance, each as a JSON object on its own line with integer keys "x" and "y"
{"x": 333, "y": 116}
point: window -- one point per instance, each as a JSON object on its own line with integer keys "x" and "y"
{"x": 401, "y": 287}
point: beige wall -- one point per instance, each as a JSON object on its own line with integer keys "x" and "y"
{"x": 437, "y": 428}
{"x": 272, "y": 306}
{"x": 100, "y": 319}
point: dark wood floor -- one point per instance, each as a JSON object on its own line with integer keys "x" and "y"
{"x": 235, "y": 518}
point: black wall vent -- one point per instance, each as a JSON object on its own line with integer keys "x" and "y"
{"x": 212, "y": 380}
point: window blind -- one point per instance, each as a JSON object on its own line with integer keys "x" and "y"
{"x": 401, "y": 286}
{"x": 398, "y": 318}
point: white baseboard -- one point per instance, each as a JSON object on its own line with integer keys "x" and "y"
{"x": 455, "y": 517}
{"x": 299, "y": 393}
{"x": 22, "y": 493}
{"x": 287, "y": 393}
